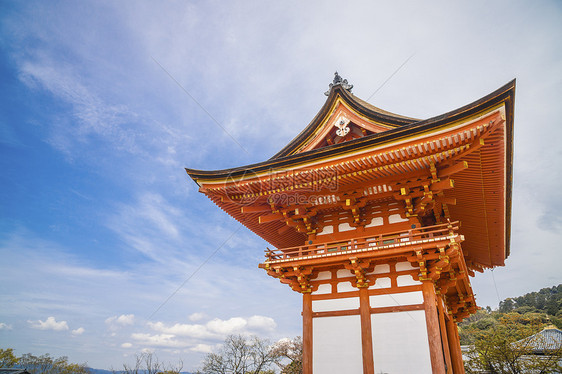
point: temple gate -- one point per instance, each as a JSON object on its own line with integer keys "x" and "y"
{"x": 379, "y": 221}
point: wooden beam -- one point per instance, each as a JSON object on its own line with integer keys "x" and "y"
{"x": 447, "y": 200}
{"x": 270, "y": 217}
{"x": 442, "y": 185}
{"x": 283, "y": 230}
{"x": 452, "y": 169}
{"x": 255, "y": 209}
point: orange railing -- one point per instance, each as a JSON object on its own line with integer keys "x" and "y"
{"x": 371, "y": 241}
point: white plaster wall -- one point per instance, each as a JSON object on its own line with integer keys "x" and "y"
{"x": 395, "y": 218}
{"x": 381, "y": 283}
{"x": 335, "y": 304}
{"x": 337, "y": 345}
{"x": 342, "y": 273}
{"x": 345, "y": 287}
{"x": 379, "y": 269}
{"x": 376, "y": 221}
{"x": 405, "y": 265}
{"x": 396, "y": 299}
{"x": 406, "y": 280}
{"x": 400, "y": 343}
{"x": 326, "y": 230}
{"x": 323, "y": 289}
{"x": 323, "y": 275}
{"x": 345, "y": 227}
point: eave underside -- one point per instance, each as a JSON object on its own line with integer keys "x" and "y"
{"x": 480, "y": 191}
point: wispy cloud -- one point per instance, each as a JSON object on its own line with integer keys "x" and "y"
{"x": 92, "y": 115}
{"x": 149, "y": 225}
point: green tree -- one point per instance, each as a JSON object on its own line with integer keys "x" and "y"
{"x": 504, "y": 349}
{"x": 7, "y": 358}
{"x": 45, "y": 364}
{"x": 506, "y": 306}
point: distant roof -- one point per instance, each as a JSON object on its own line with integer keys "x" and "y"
{"x": 13, "y": 371}
{"x": 549, "y": 339}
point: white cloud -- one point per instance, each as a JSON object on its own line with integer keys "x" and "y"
{"x": 122, "y": 320}
{"x": 225, "y": 327}
{"x": 193, "y": 331}
{"x": 5, "y": 326}
{"x": 217, "y": 329}
{"x": 126, "y": 345}
{"x": 190, "y": 335}
{"x": 49, "y": 324}
{"x": 78, "y": 331}
{"x": 203, "y": 348}
{"x": 160, "y": 340}
{"x": 194, "y": 317}
{"x": 261, "y": 323}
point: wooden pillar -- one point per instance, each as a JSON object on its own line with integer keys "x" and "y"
{"x": 307, "y": 333}
{"x": 366, "y": 332}
{"x": 432, "y": 322}
{"x": 455, "y": 346}
{"x": 444, "y": 339}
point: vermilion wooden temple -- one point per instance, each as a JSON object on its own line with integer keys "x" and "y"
{"x": 379, "y": 221}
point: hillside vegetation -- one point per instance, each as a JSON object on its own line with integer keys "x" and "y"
{"x": 534, "y": 311}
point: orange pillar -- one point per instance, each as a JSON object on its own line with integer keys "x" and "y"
{"x": 444, "y": 338}
{"x": 432, "y": 322}
{"x": 366, "y": 332}
{"x": 307, "y": 333}
{"x": 455, "y": 346}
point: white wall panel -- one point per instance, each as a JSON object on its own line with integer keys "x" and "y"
{"x": 323, "y": 289}
{"x": 345, "y": 227}
{"x": 337, "y": 345}
{"x": 406, "y": 280}
{"x": 380, "y": 269}
{"x": 400, "y": 266}
{"x": 381, "y": 283}
{"x": 396, "y": 299}
{"x": 395, "y": 218}
{"x": 400, "y": 343}
{"x": 335, "y": 304}
{"x": 326, "y": 230}
{"x": 376, "y": 221}
{"x": 342, "y": 273}
{"x": 345, "y": 287}
{"x": 323, "y": 275}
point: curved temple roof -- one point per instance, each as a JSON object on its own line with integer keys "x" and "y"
{"x": 483, "y": 190}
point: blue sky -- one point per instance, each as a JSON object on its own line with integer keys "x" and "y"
{"x": 100, "y": 225}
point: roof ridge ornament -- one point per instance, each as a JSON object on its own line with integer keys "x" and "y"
{"x": 338, "y": 80}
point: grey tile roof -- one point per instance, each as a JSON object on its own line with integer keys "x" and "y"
{"x": 549, "y": 339}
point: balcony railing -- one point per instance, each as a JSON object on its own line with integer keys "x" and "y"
{"x": 365, "y": 243}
